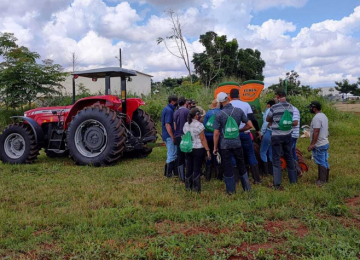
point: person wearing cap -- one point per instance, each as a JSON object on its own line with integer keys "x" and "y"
{"x": 214, "y": 109}
{"x": 230, "y": 147}
{"x": 199, "y": 149}
{"x": 167, "y": 123}
{"x": 265, "y": 135}
{"x": 319, "y": 132}
{"x": 180, "y": 118}
{"x": 192, "y": 103}
{"x": 188, "y": 103}
{"x": 202, "y": 111}
{"x": 281, "y": 139}
{"x": 245, "y": 137}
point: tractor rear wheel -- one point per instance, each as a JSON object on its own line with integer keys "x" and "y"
{"x": 53, "y": 154}
{"x": 144, "y": 127}
{"x": 18, "y": 145}
{"x": 96, "y": 136}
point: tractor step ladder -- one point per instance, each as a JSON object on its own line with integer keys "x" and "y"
{"x": 56, "y": 141}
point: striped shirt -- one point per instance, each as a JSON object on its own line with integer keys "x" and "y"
{"x": 296, "y": 129}
{"x": 275, "y": 113}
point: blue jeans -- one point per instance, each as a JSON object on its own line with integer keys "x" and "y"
{"x": 265, "y": 147}
{"x": 282, "y": 142}
{"x": 171, "y": 150}
{"x": 321, "y": 155}
{"x": 248, "y": 148}
{"x": 293, "y": 148}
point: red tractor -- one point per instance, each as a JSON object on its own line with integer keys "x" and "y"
{"x": 94, "y": 131}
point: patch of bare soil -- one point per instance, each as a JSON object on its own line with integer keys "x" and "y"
{"x": 168, "y": 227}
{"x": 276, "y": 228}
{"x": 354, "y": 221}
{"x": 353, "y": 202}
{"x": 295, "y": 226}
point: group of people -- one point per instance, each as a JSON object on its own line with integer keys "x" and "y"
{"x": 221, "y": 139}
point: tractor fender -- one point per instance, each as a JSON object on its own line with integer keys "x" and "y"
{"x": 38, "y": 132}
{"x": 132, "y": 104}
{"x": 109, "y": 101}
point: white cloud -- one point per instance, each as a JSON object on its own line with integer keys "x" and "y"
{"x": 321, "y": 53}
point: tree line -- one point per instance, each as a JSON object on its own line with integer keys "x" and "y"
{"x": 22, "y": 77}
{"x": 346, "y": 87}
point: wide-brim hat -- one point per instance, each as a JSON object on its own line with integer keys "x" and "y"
{"x": 214, "y": 104}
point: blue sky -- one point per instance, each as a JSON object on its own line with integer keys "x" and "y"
{"x": 317, "y": 38}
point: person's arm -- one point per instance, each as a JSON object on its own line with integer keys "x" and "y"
{"x": 205, "y": 144}
{"x": 315, "y": 137}
{"x": 216, "y": 140}
{"x": 248, "y": 126}
{"x": 296, "y": 116}
{"x": 247, "y": 122}
{"x": 253, "y": 120}
{"x": 175, "y": 126}
{"x": 169, "y": 120}
{"x": 169, "y": 130}
{"x": 269, "y": 117}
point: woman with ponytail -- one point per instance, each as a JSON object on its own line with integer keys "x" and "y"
{"x": 200, "y": 146}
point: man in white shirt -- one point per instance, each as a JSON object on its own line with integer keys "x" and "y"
{"x": 319, "y": 132}
{"x": 245, "y": 137}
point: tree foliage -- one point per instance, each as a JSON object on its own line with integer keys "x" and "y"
{"x": 22, "y": 79}
{"x": 293, "y": 85}
{"x": 345, "y": 86}
{"x": 223, "y": 58}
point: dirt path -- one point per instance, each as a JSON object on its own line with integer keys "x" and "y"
{"x": 348, "y": 107}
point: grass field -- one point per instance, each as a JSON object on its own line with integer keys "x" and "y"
{"x": 56, "y": 210}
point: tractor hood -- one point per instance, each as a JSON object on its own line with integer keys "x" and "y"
{"x": 46, "y": 110}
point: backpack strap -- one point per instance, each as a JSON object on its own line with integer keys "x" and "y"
{"x": 232, "y": 111}
{"x": 224, "y": 113}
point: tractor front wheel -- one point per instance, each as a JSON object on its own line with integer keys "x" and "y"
{"x": 18, "y": 145}
{"x": 96, "y": 137}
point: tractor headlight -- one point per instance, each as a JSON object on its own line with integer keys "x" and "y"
{"x": 25, "y": 115}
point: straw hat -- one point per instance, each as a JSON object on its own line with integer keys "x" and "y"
{"x": 214, "y": 104}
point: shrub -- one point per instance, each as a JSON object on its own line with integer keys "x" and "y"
{"x": 5, "y": 117}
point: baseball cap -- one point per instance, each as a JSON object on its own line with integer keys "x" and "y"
{"x": 222, "y": 97}
{"x": 280, "y": 92}
{"x": 315, "y": 104}
{"x": 182, "y": 99}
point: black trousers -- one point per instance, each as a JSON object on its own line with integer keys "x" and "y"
{"x": 226, "y": 155}
{"x": 194, "y": 162}
{"x": 180, "y": 154}
{"x": 282, "y": 143}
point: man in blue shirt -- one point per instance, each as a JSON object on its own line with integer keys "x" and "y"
{"x": 180, "y": 118}
{"x": 167, "y": 122}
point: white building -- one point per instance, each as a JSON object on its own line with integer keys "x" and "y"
{"x": 140, "y": 85}
{"x": 336, "y": 94}
{"x": 325, "y": 91}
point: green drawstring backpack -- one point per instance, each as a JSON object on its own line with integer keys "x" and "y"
{"x": 231, "y": 127}
{"x": 186, "y": 145}
{"x": 286, "y": 121}
{"x": 209, "y": 126}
